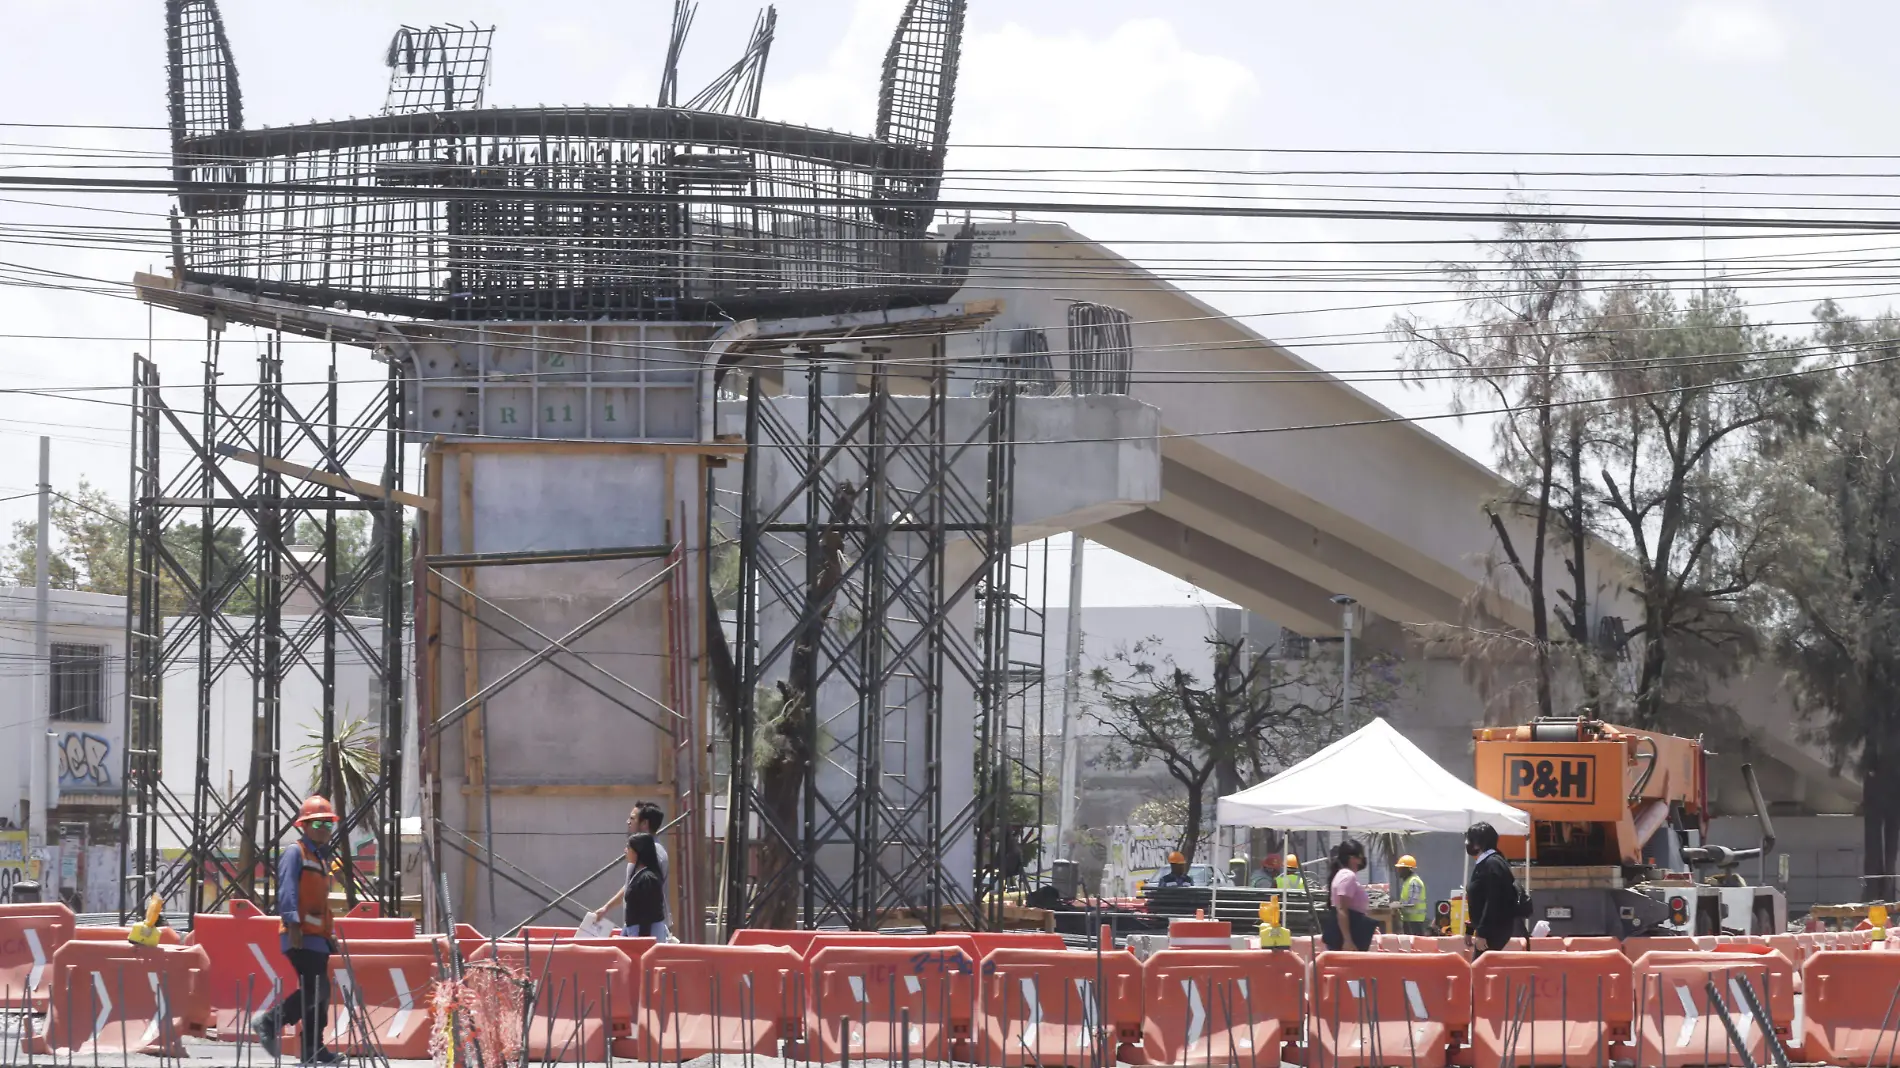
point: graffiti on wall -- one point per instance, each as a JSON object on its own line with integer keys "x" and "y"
{"x": 84, "y": 761}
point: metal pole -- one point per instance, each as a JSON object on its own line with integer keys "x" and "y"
{"x": 1071, "y": 684}
{"x": 1346, "y": 622}
{"x": 38, "y": 755}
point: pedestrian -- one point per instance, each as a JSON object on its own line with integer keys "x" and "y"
{"x": 1491, "y": 898}
{"x": 304, "y": 873}
{"x": 1347, "y": 925}
{"x": 1412, "y": 906}
{"x": 645, "y": 892}
{"x": 652, "y": 820}
{"x": 1177, "y": 874}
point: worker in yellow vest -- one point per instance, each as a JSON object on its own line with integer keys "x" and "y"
{"x": 1290, "y": 875}
{"x": 1413, "y": 908}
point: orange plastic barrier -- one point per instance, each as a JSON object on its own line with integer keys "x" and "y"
{"x": 1677, "y": 1024}
{"x": 1374, "y": 1010}
{"x": 1635, "y": 948}
{"x": 798, "y": 942}
{"x": 1535, "y": 1009}
{"x": 1775, "y": 992}
{"x": 1593, "y": 944}
{"x": 1231, "y": 1007}
{"x": 367, "y": 910}
{"x": 396, "y": 994}
{"x": 1852, "y": 1007}
{"x": 28, "y": 940}
{"x": 354, "y": 926}
{"x": 249, "y": 974}
{"x": 915, "y": 943}
{"x": 1056, "y": 1008}
{"x": 988, "y": 942}
{"x": 571, "y": 983}
{"x": 118, "y": 997}
{"x": 877, "y": 988}
{"x": 700, "y": 1000}
{"x": 167, "y": 936}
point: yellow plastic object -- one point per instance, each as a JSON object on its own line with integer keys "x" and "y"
{"x": 1877, "y": 915}
{"x": 1275, "y": 937}
{"x": 146, "y": 934}
{"x": 1270, "y": 912}
{"x": 1458, "y": 915}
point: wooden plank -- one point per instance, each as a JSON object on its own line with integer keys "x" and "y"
{"x": 325, "y": 478}
{"x": 474, "y": 771}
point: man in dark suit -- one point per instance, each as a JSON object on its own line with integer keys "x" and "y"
{"x": 1491, "y": 896}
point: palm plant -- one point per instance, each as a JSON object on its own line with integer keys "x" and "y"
{"x": 345, "y": 771}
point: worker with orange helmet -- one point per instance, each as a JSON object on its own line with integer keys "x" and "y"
{"x": 1413, "y": 909}
{"x": 303, "y": 906}
{"x": 1177, "y": 874}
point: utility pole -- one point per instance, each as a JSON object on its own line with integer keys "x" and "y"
{"x": 39, "y": 751}
{"x": 1346, "y": 622}
{"x": 1071, "y": 697}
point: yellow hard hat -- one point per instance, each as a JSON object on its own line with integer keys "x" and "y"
{"x": 1407, "y": 861}
{"x": 1176, "y": 858}
{"x": 1292, "y": 861}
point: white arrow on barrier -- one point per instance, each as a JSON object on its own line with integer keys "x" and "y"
{"x": 405, "y": 1003}
{"x": 1689, "y": 1015}
{"x": 105, "y": 1005}
{"x": 153, "y": 1029}
{"x": 39, "y": 959}
{"x": 1737, "y": 1008}
{"x": 1197, "y": 1013}
{"x": 1032, "y": 1018}
{"x": 1085, "y": 996}
{"x": 276, "y": 983}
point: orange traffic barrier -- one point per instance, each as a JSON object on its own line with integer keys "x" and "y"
{"x": 29, "y": 936}
{"x": 366, "y": 910}
{"x": 354, "y": 926}
{"x": 1534, "y": 1009}
{"x": 1635, "y": 948}
{"x": 167, "y": 936}
{"x": 1678, "y": 1024}
{"x": 383, "y": 1003}
{"x": 916, "y": 943}
{"x": 1852, "y": 1007}
{"x": 1776, "y": 994}
{"x": 249, "y": 973}
{"x": 119, "y": 997}
{"x": 573, "y": 984}
{"x": 798, "y": 942}
{"x": 988, "y": 942}
{"x": 1373, "y": 1010}
{"x": 1231, "y": 1007}
{"x": 1056, "y": 1008}
{"x": 700, "y": 1000}
{"x": 1592, "y": 944}
{"x": 865, "y": 995}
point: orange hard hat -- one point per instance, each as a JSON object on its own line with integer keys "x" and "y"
{"x": 1406, "y": 861}
{"x": 1176, "y": 858}
{"x": 315, "y": 807}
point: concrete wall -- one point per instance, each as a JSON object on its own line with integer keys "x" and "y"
{"x": 87, "y": 760}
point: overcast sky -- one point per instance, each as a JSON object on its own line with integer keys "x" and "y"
{"x": 1651, "y": 76}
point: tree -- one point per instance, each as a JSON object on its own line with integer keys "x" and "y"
{"x": 1520, "y": 352}
{"x": 1254, "y": 717}
{"x": 1691, "y": 388}
{"x": 345, "y": 771}
{"x": 1835, "y": 589}
{"x": 89, "y": 536}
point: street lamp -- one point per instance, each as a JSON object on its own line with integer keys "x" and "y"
{"x": 1346, "y": 612}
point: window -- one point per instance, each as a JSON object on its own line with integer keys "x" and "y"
{"x": 79, "y": 683}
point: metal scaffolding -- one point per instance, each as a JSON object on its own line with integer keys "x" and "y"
{"x": 244, "y": 565}
{"x": 873, "y": 606}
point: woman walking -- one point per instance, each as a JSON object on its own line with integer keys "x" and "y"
{"x": 1347, "y": 925}
{"x": 645, "y": 892}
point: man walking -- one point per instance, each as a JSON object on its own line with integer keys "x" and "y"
{"x": 646, "y": 818}
{"x": 1491, "y": 897}
{"x": 1412, "y": 906}
{"x": 303, "y": 906}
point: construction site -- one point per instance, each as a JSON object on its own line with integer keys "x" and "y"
{"x": 707, "y": 465}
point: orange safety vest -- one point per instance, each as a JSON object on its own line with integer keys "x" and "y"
{"x": 313, "y": 895}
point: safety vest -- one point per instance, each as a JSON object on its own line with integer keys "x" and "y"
{"x": 1290, "y": 881}
{"x": 1412, "y": 907}
{"x": 313, "y": 895}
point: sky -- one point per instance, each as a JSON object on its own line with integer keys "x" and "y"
{"x": 1275, "y": 87}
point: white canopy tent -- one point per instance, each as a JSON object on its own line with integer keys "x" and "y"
{"x": 1371, "y": 780}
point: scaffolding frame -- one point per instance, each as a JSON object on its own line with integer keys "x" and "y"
{"x": 832, "y": 815}
{"x": 269, "y": 463}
